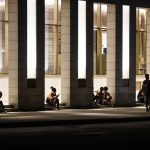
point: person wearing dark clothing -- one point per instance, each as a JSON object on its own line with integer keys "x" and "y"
{"x": 146, "y": 89}
{"x": 107, "y": 97}
{"x": 140, "y": 96}
{"x": 101, "y": 95}
{"x": 2, "y": 109}
{"x": 98, "y": 98}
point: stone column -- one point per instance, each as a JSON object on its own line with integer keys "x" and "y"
{"x": 81, "y": 89}
{"x": 31, "y": 91}
{"x": 125, "y": 88}
{"x": 13, "y": 51}
{"x": 65, "y": 52}
{"x": 111, "y": 50}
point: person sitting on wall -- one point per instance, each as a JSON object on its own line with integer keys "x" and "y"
{"x": 52, "y": 98}
{"x": 140, "y": 96}
{"x": 106, "y": 97}
{"x": 98, "y": 97}
{"x": 95, "y": 101}
{"x": 2, "y": 109}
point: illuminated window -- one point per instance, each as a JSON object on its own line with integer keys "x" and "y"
{"x": 81, "y": 39}
{"x": 31, "y": 38}
{"x": 141, "y": 40}
{"x": 125, "y": 40}
{"x": 100, "y": 38}
{"x": 52, "y": 37}
{"x": 3, "y": 37}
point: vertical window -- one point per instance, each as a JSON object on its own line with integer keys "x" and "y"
{"x": 3, "y": 37}
{"x": 141, "y": 40}
{"x": 100, "y": 38}
{"x": 125, "y": 39}
{"x": 81, "y": 39}
{"x": 52, "y": 37}
{"x": 31, "y": 38}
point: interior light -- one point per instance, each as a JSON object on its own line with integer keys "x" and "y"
{"x": 142, "y": 18}
{"x": 31, "y": 38}
{"x": 82, "y": 39}
{"x": 104, "y": 42}
{"x": 2, "y": 3}
{"x": 95, "y": 7}
{"x": 104, "y": 8}
{"x": 49, "y": 2}
{"x": 126, "y": 18}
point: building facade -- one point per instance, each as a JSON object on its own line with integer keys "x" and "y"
{"x": 76, "y": 46}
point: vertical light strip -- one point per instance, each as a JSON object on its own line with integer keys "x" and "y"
{"x": 2, "y": 22}
{"x": 31, "y": 38}
{"x": 1, "y": 48}
{"x": 125, "y": 39}
{"x": 81, "y": 39}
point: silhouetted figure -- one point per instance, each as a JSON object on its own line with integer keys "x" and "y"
{"x": 146, "y": 89}
{"x": 98, "y": 98}
{"x": 107, "y": 97}
{"x": 101, "y": 95}
{"x": 52, "y": 99}
{"x": 140, "y": 96}
{"x": 2, "y": 109}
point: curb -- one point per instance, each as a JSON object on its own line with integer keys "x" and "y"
{"x": 37, "y": 123}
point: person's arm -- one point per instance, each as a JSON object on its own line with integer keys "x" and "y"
{"x": 108, "y": 94}
{"x": 57, "y": 95}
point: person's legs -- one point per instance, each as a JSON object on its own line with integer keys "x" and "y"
{"x": 109, "y": 99}
{"x": 146, "y": 103}
{"x": 57, "y": 103}
{"x": 95, "y": 97}
{"x": 100, "y": 101}
{"x": 2, "y": 106}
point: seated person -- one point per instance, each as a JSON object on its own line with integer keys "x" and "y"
{"x": 52, "y": 98}
{"x": 101, "y": 95}
{"x": 107, "y": 97}
{"x": 98, "y": 97}
{"x": 140, "y": 96}
{"x": 1, "y": 104}
{"x": 95, "y": 99}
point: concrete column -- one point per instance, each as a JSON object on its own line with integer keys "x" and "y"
{"x": 132, "y": 57}
{"x": 125, "y": 88}
{"x": 13, "y": 51}
{"x": 31, "y": 91}
{"x": 111, "y": 50}
{"x": 81, "y": 89}
{"x": 65, "y": 52}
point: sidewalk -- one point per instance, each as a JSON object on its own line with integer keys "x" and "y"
{"x": 73, "y": 116}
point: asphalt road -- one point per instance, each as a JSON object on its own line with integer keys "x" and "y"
{"x": 96, "y": 136}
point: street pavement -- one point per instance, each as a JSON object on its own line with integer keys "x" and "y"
{"x": 66, "y": 116}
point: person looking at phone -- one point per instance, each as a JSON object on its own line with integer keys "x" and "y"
{"x": 52, "y": 98}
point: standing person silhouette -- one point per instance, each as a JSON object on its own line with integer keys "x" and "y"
{"x": 2, "y": 109}
{"x": 146, "y": 89}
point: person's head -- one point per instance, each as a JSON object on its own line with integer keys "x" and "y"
{"x": 101, "y": 88}
{"x": 1, "y": 94}
{"x": 105, "y": 88}
{"x": 147, "y": 76}
{"x": 54, "y": 90}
